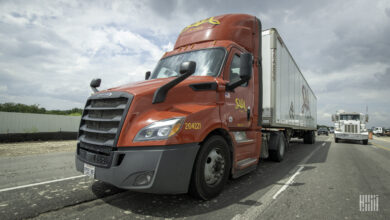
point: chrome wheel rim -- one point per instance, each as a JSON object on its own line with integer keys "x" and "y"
{"x": 214, "y": 167}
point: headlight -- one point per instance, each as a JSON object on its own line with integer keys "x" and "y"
{"x": 160, "y": 130}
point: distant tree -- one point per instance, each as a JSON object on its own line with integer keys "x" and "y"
{"x": 18, "y": 107}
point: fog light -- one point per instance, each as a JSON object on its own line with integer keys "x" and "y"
{"x": 143, "y": 179}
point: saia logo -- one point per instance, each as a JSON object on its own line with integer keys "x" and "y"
{"x": 196, "y": 24}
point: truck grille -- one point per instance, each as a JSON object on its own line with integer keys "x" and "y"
{"x": 351, "y": 129}
{"x": 100, "y": 126}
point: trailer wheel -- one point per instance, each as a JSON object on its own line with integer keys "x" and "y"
{"x": 211, "y": 169}
{"x": 365, "y": 142}
{"x": 278, "y": 144}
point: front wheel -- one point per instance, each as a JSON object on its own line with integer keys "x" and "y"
{"x": 365, "y": 142}
{"x": 211, "y": 169}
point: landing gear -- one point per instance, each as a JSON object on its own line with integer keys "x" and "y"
{"x": 309, "y": 137}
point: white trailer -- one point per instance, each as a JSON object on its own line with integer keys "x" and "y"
{"x": 288, "y": 100}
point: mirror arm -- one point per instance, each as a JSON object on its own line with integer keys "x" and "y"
{"x": 94, "y": 89}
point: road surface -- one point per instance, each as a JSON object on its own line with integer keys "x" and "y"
{"x": 326, "y": 180}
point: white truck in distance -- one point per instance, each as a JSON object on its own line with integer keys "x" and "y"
{"x": 378, "y": 131}
{"x": 350, "y": 126}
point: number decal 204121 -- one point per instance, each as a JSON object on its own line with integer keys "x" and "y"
{"x": 192, "y": 126}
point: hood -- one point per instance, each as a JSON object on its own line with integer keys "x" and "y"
{"x": 149, "y": 86}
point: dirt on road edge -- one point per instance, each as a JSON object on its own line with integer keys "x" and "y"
{"x": 36, "y": 147}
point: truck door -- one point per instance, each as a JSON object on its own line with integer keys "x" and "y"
{"x": 238, "y": 109}
{"x": 237, "y": 112}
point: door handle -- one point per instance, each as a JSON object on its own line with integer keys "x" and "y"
{"x": 248, "y": 113}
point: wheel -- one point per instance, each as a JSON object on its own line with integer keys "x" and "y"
{"x": 278, "y": 145}
{"x": 211, "y": 169}
{"x": 309, "y": 137}
{"x": 365, "y": 142}
{"x": 336, "y": 140}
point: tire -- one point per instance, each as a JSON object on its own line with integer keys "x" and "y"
{"x": 365, "y": 142}
{"x": 336, "y": 140}
{"x": 278, "y": 145}
{"x": 211, "y": 169}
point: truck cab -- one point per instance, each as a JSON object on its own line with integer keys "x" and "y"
{"x": 350, "y": 126}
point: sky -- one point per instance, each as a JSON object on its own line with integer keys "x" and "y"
{"x": 50, "y": 50}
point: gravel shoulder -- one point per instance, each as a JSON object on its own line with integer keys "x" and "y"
{"x": 36, "y": 147}
{"x": 387, "y": 139}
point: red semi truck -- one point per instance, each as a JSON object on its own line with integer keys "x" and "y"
{"x": 227, "y": 95}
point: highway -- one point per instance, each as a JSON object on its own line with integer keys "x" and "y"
{"x": 326, "y": 180}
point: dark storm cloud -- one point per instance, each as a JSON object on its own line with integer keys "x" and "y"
{"x": 378, "y": 81}
{"x": 357, "y": 46}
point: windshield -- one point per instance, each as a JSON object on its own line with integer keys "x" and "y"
{"x": 208, "y": 63}
{"x": 349, "y": 117}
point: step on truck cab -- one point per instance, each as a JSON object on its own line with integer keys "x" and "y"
{"x": 226, "y": 95}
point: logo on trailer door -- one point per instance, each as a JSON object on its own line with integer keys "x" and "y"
{"x": 306, "y": 101}
{"x": 291, "y": 112}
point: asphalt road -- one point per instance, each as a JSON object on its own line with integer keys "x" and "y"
{"x": 321, "y": 181}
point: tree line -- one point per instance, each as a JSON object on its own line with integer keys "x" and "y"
{"x": 18, "y": 107}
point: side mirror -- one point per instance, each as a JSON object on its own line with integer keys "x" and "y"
{"x": 147, "y": 75}
{"x": 366, "y": 118}
{"x": 94, "y": 84}
{"x": 333, "y": 118}
{"x": 187, "y": 68}
{"x": 246, "y": 61}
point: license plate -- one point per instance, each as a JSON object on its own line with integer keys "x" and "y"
{"x": 89, "y": 170}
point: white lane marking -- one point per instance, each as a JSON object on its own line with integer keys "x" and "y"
{"x": 254, "y": 211}
{"x": 373, "y": 146}
{"x": 288, "y": 183}
{"x": 41, "y": 183}
{"x": 323, "y": 144}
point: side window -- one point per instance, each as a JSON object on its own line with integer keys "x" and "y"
{"x": 235, "y": 69}
{"x": 234, "y": 74}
